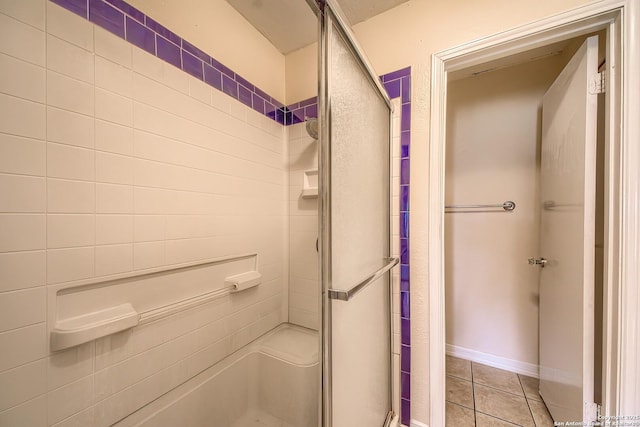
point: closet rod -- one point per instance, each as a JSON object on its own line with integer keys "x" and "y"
{"x": 507, "y": 206}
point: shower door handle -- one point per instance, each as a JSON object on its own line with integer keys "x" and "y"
{"x": 346, "y": 295}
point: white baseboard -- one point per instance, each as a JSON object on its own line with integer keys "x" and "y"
{"x": 524, "y": 368}
{"x": 415, "y": 423}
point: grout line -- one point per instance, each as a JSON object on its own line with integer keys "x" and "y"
{"x": 526, "y": 399}
{"x": 473, "y": 393}
{"x": 498, "y": 418}
{"x": 502, "y": 390}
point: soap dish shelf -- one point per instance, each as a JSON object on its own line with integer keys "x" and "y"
{"x": 87, "y": 327}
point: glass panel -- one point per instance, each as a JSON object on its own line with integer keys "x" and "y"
{"x": 357, "y": 215}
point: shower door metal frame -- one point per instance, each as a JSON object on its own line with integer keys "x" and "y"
{"x": 331, "y": 18}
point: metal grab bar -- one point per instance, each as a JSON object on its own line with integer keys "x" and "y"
{"x": 507, "y": 206}
{"x": 345, "y": 295}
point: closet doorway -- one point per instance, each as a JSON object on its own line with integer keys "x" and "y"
{"x": 520, "y": 236}
{"x": 617, "y": 391}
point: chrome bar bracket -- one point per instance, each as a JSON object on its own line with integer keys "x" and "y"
{"x": 346, "y": 295}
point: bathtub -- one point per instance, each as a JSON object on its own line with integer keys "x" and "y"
{"x": 272, "y": 382}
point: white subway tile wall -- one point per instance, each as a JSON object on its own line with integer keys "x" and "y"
{"x": 304, "y": 304}
{"x": 113, "y": 161}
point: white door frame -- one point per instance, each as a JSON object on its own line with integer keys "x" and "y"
{"x": 621, "y": 393}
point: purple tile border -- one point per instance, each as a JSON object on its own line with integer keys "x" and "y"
{"x": 398, "y": 85}
{"x": 79, "y": 7}
{"x": 129, "y": 23}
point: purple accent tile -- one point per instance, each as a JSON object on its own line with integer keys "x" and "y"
{"x": 404, "y": 172}
{"x": 196, "y": 52}
{"x": 406, "y": 90}
{"x": 277, "y": 103}
{"x": 107, "y": 17}
{"x": 405, "y": 385}
{"x": 192, "y": 65}
{"x": 404, "y": 285}
{"x": 269, "y": 109}
{"x": 397, "y": 74}
{"x": 128, "y": 9}
{"x": 405, "y": 358}
{"x": 404, "y": 304}
{"x": 404, "y": 224}
{"x": 404, "y": 272}
{"x": 405, "y": 141}
{"x": 230, "y": 86}
{"x": 140, "y": 36}
{"x": 79, "y": 7}
{"x": 404, "y": 251}
{"x": 168, "y": 51}
{"x": 405, "y": 331}
{"x": 281, "y": 115}
{"x": 311, "y": 110}
{"x": 309, "y": 101}
{"x": 258, "y": 103}
{"x": 244, "y": 96}
{"x": 262, "y": 93}
{"x": 404, "y": 198}
{"x": 405, "y": 117}
{"x": 404, "y": 278}
{"x": 405, "y": 412}
{"x": 212, "y": 77}
{"x": 222, "y": 68}
{"x": 245, "y": 83}
{"x": 393, "y": 88}
{"x": 298, "y": 115}
{"x": 163, "y": 31}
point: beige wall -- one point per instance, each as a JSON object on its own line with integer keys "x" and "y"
{"x": 492, "y": 156}
{"x": 218, "y": 29}
{"x": 301, "y": 74}
{"x": 407, "y": 36}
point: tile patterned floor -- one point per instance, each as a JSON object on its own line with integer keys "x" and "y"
{"x": 482, "y": 396}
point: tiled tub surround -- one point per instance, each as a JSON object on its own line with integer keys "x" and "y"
{"x": 112, "y": 161}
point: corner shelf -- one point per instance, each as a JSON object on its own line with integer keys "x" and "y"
{"x": 310, "y": 184}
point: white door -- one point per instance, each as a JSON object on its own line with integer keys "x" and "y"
{"x": 567, "y": 239}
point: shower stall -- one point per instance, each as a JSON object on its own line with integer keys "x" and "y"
{"x": 184, "y": 248}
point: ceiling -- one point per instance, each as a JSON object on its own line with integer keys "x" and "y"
{"x": 291, "y": 24}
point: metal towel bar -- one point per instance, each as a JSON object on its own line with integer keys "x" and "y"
{"x": 507, "y": 206}
{"x": 345, "y": 295}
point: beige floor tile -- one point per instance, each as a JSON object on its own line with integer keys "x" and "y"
{"x": 458, "y": 416}
{"x": 459, "y": 367}
{"x": 496, "y": 378}
{"x": 530, "y": 386}
{"x": 483, "y": 420}
{"x": 460, "y": 391}
{"x": 540, "y": 414}
{"x": 505, "y": 406}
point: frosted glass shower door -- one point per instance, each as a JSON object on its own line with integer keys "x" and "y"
{"x": 355, "y": 228}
